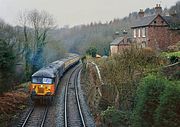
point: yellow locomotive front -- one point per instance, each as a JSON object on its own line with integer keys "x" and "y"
{"x": 43, "y": 83}
{"x": 42, "y": 86}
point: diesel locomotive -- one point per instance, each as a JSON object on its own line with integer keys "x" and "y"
{"x": 44, "y": 82}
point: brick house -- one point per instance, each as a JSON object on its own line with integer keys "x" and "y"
{"x": 155, "y": 31}
{"x": 119, "y": 44}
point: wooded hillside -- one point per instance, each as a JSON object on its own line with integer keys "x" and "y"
{"x": 79, "y": 38}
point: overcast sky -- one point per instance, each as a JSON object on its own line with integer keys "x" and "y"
{"x": 74, "y": 12}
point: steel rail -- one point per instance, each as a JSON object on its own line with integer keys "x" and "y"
{"x": 28, "y": 116}
{"x": 77, "y": 97}
{"x": 30, "y": 113}
{"x": 44, "y": 116}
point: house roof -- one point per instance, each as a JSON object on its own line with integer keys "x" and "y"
{"x": 145, "y": 21}
{"x": 117, "y": 41}
{"x": 120, "y": 40}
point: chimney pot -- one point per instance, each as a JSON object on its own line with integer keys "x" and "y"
{"x": 158, "y": 9}
{"x": 141, "y": 13}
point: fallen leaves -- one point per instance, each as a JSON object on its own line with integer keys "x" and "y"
{"x": 10, "y": 102}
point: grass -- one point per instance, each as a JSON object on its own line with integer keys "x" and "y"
{"x": 169, "y": 54}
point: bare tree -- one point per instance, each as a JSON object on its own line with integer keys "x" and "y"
{"x": 41, "y": 22}
{"x": 35, "y": 25}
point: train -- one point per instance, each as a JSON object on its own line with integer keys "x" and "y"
{"x": 44, "y": 82}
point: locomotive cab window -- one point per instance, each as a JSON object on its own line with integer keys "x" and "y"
{"x": 47, "y": 80}
{"x": 40, "y": 80}
{"x": 36, "y": 80}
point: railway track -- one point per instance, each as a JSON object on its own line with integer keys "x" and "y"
{"x": 73, "y": 116}
{"x": 35, "y": 117}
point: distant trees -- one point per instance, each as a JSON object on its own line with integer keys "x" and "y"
{"x": 79, "y": 38}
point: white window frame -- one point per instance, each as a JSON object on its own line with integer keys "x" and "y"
{"x": 139, "y": 32}
{"x": 134, "y": 33}
{"x": 143, "y": 32}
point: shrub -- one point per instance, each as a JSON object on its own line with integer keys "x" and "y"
{"x": 149, "y": 55}
{"x": 147, "y": 100}
{"x": 168, "y": 112}
{"x": 92, "y": 51}
{"x": 173, "y": 59}
{"x": 176, "y": 75}
{"x": 113, "y": 117}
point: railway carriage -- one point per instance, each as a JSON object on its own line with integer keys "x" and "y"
{"x": 70, "y": 61}
{"x": 44, "y": 82}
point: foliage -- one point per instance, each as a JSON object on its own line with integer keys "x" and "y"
{"x": 149, "y": 55}
{"x": 176, "y": 75}
{"x": 167, "y": 113}
{"x": 7, "y": 65}
{"x": 92, "y": 51}
{"x": 169, "y": 54}
{"x": 114, "y": 117}
{"x": 173, "y": 59}
{"x": 123, "y": 71}
{"x": 149, "y": 96}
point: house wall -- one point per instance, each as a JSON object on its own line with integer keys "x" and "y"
{"x": 118, "y": 49}
{"x": 162, "y": 37}
{"x": 158, "y": 35}
{"x": 114, "y": 49}
{"x": 174, "y": 36}
{"x": 122, "y": 47}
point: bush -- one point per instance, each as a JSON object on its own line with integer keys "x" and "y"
{"x": 147, "y": 100}
{"x": 92, "y": 51}
{"x": 168, "y": 112}
{"x": 149, "y": 55}
{"x": 173, "y": 59}
{"x": 114, "y": 118}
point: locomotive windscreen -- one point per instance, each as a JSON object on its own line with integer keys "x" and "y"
{"x": 40, "y": 80}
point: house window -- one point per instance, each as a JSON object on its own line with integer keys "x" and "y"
{"x": 139, "y": 32}
{"x": 134, "y": 33}
{"x": 154, "y": 22}
{"x": 143, "y": 32}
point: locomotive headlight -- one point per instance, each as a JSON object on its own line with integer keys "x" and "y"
{"x": 33, "y": 86}
{"x": 41, "y": 86}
